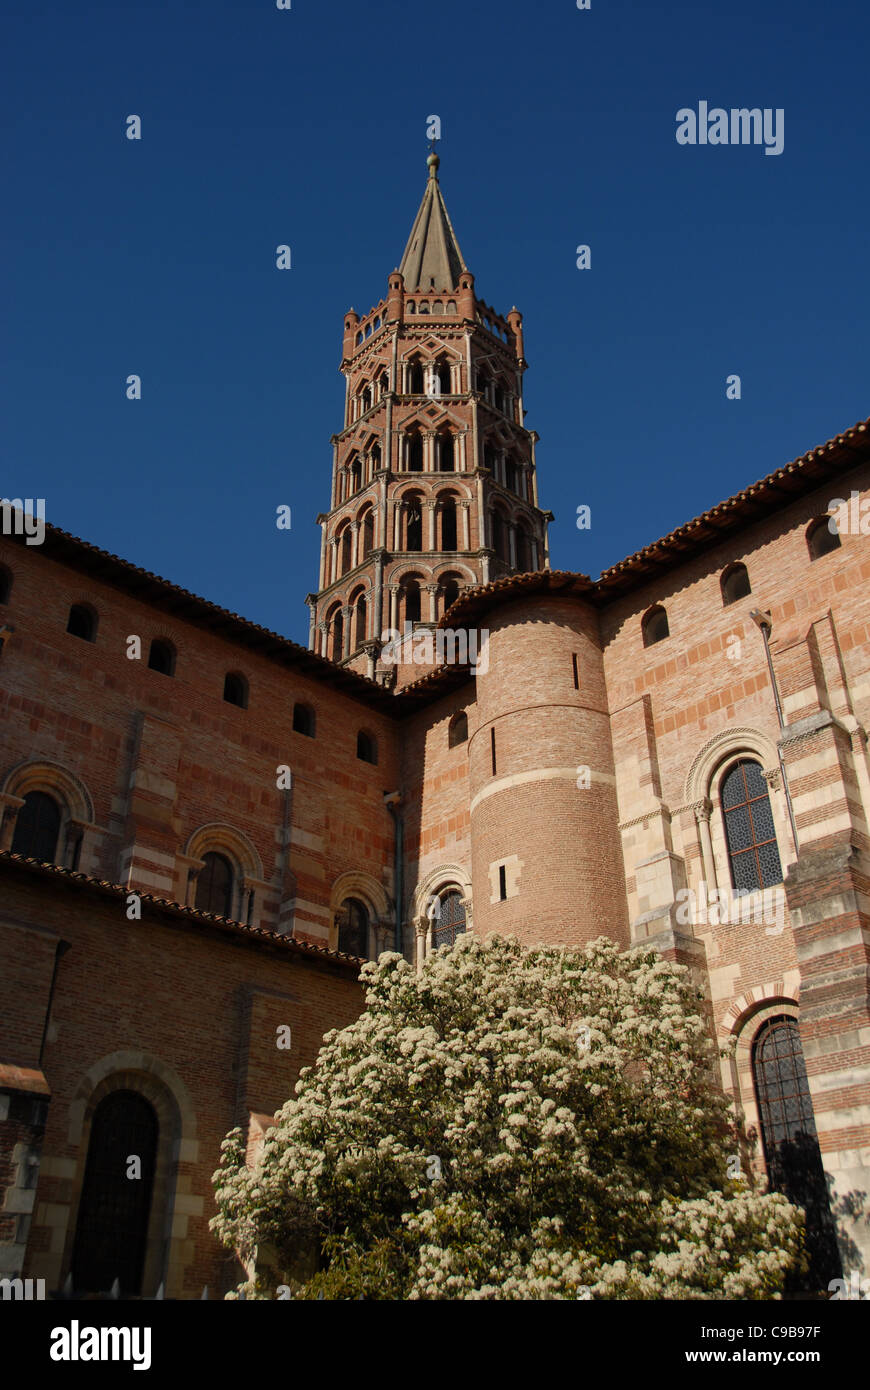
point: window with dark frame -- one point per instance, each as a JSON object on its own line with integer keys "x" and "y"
{"x": 753, "y": 854}
{"x": 82, "y": 622}
{"x": 304, "y": 720}
{"x": 821, "y": 540}
{"x": 450, "y": 921}
{"x": 214, "y": 885}
{"x": 790, "y": 1142}
{"x": 161, "y": 657}
{"x": 37, "y": 828}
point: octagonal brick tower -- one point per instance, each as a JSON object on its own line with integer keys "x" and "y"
{"x": 433, "y": 478}
{"x": 546, "y": 856}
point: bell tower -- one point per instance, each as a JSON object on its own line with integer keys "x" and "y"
{"x": 433, "y": 476}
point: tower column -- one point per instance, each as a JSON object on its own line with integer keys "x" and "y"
{"x": 429, "y": 451}
{"x": 432, "y": 591}
{"x": 388, "y": 435}
{"x": 333, "y": 560}
{"x": 512, "y": 538}
{"x": 377, "y": 615}
{"x": 394, "y": 606}
{"x": 482, "y": 519}
{"x": 464, "y": 509}
{"x": 323, "y": 553}
{"x": 354, "y": 545}
{"x": 475, "y": 442}
{"x": 430, "y": 525}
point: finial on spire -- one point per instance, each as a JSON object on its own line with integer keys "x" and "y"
{"x": 433, "y": 162}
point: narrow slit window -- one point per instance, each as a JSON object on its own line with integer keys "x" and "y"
{"x": 502, "y": 882}
{"x": 492, "y": 749}
{"x": 576, "y": 672}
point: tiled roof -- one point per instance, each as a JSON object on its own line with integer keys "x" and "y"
{"x": 105, "y": 888}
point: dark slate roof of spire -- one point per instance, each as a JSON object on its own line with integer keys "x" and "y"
{"x": 432, "y": 253}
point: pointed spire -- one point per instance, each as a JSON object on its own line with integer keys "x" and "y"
{"x": 432, "y": 258}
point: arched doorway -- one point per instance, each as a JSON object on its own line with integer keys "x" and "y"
{"x": 112, "y": 1224}
{"x": 791, "y": 1145}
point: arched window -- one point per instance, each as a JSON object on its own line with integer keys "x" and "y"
{"x": 375, "y": 457}
{"x": 82, "y": 622}
{"x": 510, "y": 474}
{"x": 483, "y": 385}
{"x": 442, "y": 368}
{"x": 236, "y": 690}
{"x": 359, "y": 621}
{"x": 411, "y": 595}
{"x": 414, "y": 451}
{"x": 414, "y": 524}
{"x": 345, "y": 551}
{"x": 752, "y": 848}
{"x": 791, "y": 1145}
{"x": 500, "y": 542}
{"x": 735, "y": 583}
{"x": 654, "y": 626}
{"x": 112, "y": 1224}
{"x": 458, "y": 730}
{"x": 524, "y": 550}
{"x": 449, "y": 922}
{"x": 448, "y": 524}
{"x": 353, "y": 929}
{"x": 822, "y": 537}
{"x": 450, "y": 591}
{"x": 384, "y": 383}
{"x": 37, "y": 828}
{"x": 304, "y": 720}
{"x": 355, "y": 473}
{"x": 489, "y": 459}
{"x": 415, "y": 377}
{"x": 498, "y": 397}
{"x": 446, "y": 452}
{"x": 367, "y": 748}
{"x": 214, "y": 886}
{"x": 337, "y": 623}
{"x": 367, "y": 535}
{"x": 5, "y": 584}
{"x": 161, "y": 657}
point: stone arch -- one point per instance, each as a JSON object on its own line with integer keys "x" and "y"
{"x": 366, "y": 888}
{"x": 703, "y": 780}
{"x": 169, "y": 1252}
{"x": 720, "y": 749}
{"x": 435, "y": 882}
{"x": 51, "y": 777}
{"x": 741, "y": 1021}
{"x": 219, "y": 838}
{"x": 75, "y": 848}
{"x": 452, "y": 567}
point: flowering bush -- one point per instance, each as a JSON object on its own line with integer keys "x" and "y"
{"x": 510, "y": 1123}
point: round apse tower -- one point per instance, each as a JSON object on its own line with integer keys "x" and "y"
{"x": 545, "y": 848}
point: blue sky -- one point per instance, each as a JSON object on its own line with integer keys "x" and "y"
{"x": 308, "y": 127}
